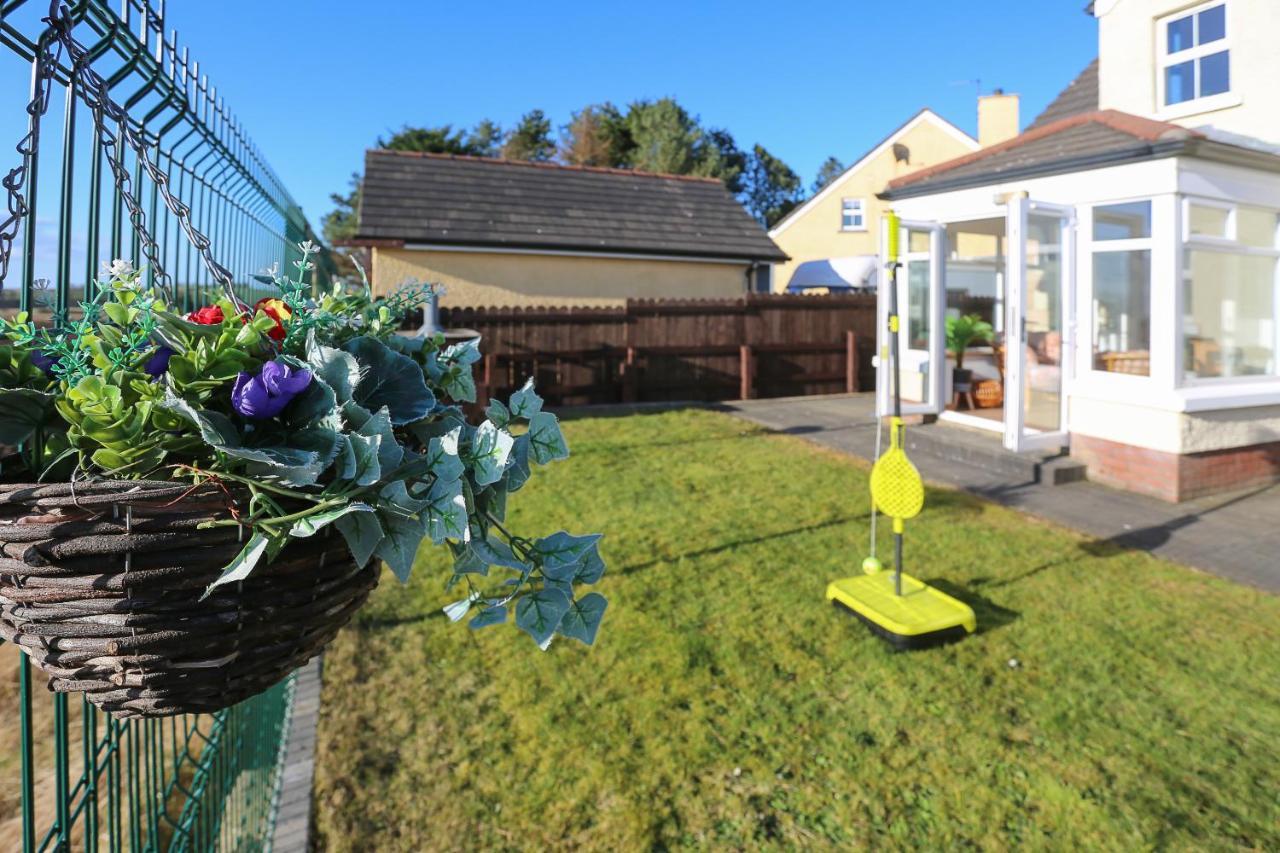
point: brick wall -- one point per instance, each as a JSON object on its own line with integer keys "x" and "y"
{"x": 1176, "y": 477}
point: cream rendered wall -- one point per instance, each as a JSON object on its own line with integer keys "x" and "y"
{"x": 1128, "y": 50}
{"x": 508, "y": 279}
{"x": 815, "y": 234}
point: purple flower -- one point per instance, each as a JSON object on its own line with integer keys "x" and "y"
{"x": 158, "y": 363}
{"x": 43, "y": 360}
{"x": 265, "y": 395}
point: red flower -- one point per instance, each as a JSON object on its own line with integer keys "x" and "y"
{"x": 277, "y": 310}
{"x": 210, "y": 315}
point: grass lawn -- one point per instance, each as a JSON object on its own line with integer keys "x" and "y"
{"x": 1111, "y": 700}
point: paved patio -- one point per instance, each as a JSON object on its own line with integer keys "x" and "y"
{"x": 1234, "y": 536}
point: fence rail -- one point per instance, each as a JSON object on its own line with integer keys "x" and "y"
{"x": 80, "y": 195}
{"x": 653, "y": 350}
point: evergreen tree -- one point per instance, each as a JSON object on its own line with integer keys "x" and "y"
{"x": 485, "y": 139}
{"x": 830, "y": 169}
{"x": 770, "y": 188}
{"x": 716, "y": 155}
{"x": 531, "y": 139}
{"x": 665, "y": 135}
{"x": 341, "y": 222}
{"x": 434, "y": 140}
{"x": 596, "y": 135}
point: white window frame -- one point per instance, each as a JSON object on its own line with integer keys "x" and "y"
{"x": 1193, "y": 54}
{"x": 1097, "y": 247}
{"x": 861, "y": 211}
{"x": 1226, "y": 246}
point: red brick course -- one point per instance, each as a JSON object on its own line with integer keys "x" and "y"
{"x": 1176, "y": 476}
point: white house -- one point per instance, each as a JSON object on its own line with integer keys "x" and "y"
{"x": 1126, "y": 246}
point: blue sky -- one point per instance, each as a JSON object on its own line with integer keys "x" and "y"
{"x": 315, "y": 81}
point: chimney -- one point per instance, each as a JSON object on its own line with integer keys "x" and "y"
{"x": 997, "y": 117}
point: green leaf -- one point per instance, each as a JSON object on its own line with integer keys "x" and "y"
{"x": 526, "y": 403}
{"x": 494, "y": 615}
{"x": 312, "y": 524}
{"x": 315, "y": 402}
{"x": 546, "y": 442}
{"x": 446, "y": 512}
{"x": 399, "y": 545}
{"x": 339, "y": 370}
{"x": 390, "y": 379}
{"x": 21, "y": 411}
{"x": 582, "y": 620}
{"x": 244, "y": 563}
{"x": 442, "y": 456}
{"x": 539, "y": 613}
{"x": 518, "y": 469}
{"x": 390, "y": 453}
{"x": 563, "y": 556}
{"x": 367, "y": 469}
{"x": 363, "y": 533}
{"x": 489, "y": 451}
{"x": 497, "y": 413}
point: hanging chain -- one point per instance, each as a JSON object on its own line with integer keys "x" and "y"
{"x": 46, "y": 62}
{"x": 95, "y": 93}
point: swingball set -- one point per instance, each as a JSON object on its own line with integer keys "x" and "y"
{"x": 897, "y": 607}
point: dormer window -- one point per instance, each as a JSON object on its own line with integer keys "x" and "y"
{"x": 1195, "y": 59}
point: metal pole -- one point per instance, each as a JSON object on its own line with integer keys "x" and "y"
{"x": 895, "y": 382}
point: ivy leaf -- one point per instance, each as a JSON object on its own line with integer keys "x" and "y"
{"x": 564, "y": 556}
{"x": 582, "y": 620}
{"x": 497, "y": 413}
{"x": 312, "y": 524}
{"x": 399, "y": 545}
{"x": 494, "y": 615}
{"x": 446, "y": 512}
{"x": 442, "y": 456}
{"x": 518, "y": 469}
{"x": 489, "y": 451}
{"x": 525, "y": 403}
{"x": 546, "y": 442}
{"x": 22, "y": 410}
{"x": 390, "y": 379}
{"x": 363, "y": 533}
{"x": 539, "y": 613}
{"x": 244, "y": 563}
{"x": 464, "y": 352}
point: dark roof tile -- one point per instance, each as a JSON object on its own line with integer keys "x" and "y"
{"x": 1080, "y": 96}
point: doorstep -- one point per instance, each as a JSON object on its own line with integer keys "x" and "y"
{"x": 984, "y": 449}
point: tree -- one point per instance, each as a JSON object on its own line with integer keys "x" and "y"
{"x": 485, "y": 139}
{"x": 434, "y": 140}
{"x": 716, "y": 155}
{"x": 830, "y": 169}
{"x": 340, "y": 223}
{"x": 596, "y": 135}
{"x": 531, "y": 139}
{"x": 770, "y": 188}
{"x": 665, "y": 136}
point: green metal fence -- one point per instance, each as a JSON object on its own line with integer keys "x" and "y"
{"x": 71, "y": 777}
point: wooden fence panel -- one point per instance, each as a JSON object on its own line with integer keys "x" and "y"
{"x": 761, "y": 345}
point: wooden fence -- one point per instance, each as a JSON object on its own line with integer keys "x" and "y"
{"x": 760, "y": 345}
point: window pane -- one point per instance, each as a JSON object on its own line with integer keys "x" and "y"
{"x": 1179, "y": 82}
{"x": 917, "y": 241}
{"x": 1258, "y": 228}
{"x": 1213, "y": 24}
{"x": 1229, "y": 328}
{"x": 1180, "y": 34}
{"x": 918, "y": 305}
{"x": 1122, "y": 312}
{"x": 1205, "y": 221}
{"x": 1215, "y": 74}
{"x": 1122, "y": 221}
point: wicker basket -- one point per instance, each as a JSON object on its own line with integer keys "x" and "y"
{"x": 100, "y": 585}
{"x": 988, "y": 393}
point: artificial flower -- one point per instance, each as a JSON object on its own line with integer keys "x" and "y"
{"x": 158, "y": 364}
{"x": 210, "y": 315}
{"x": 277, "y": 310}
{"x": 265, "y": 395}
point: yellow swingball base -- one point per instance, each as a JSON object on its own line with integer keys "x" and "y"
{"x": 919, "y": 618}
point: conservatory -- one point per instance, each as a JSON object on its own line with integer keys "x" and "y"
{"x": 1129, "y": 271}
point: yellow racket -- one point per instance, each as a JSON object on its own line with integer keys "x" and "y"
{"x": 896, "y": 486}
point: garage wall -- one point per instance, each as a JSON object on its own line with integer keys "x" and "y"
{"x": 494, "y": 279}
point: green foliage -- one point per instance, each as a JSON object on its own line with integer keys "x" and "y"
{"x": 770, "y": 188}
{"x": 963, "y": 332}
{"x": 444, "y": 140}
{"x": 531, "y": 139}
{"x": 830, "y": 169}
{"x": 665, "y": 135}
{"x": 596, "y": 135}
{"x": 314, "y": 405}
{"x": 342, "y": 222}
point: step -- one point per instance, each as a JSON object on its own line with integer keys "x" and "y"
{"x": 983, "y": 450}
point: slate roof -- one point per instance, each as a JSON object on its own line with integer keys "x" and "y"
{"x": 1081, "y": 141}
{"x": 444, "y": 199}
{"x": 1080, "y": 96}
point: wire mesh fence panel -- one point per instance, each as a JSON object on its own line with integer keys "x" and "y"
{"x": 123, "y": 149}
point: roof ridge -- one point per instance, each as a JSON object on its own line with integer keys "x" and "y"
{"x": 1140, "y": 127}
{"x": 501, "y": 161}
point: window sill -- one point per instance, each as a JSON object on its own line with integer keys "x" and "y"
{"x": 1199, "y": 105}
{"x": 862, "y": 230}
{"x": 1210, "y": 395}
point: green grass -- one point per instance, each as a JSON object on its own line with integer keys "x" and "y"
{"x": 725, "y": 704}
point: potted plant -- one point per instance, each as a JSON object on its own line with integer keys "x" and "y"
{"x": 963, "y": 332}
{"x": 192, "y": 504}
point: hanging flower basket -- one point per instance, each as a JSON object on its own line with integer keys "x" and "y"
{"x": 101, "y": 585}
